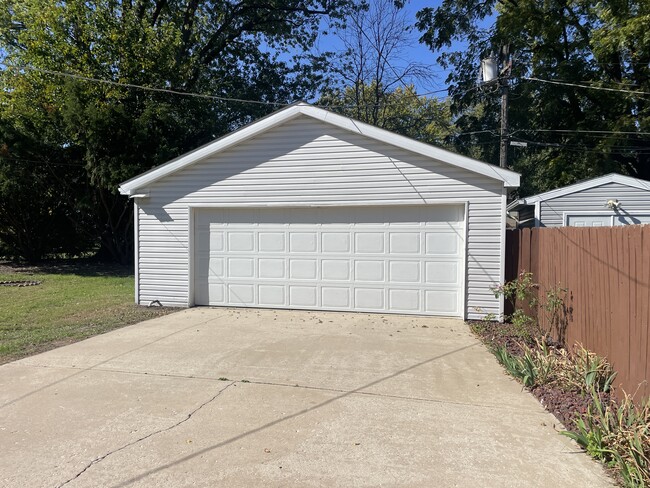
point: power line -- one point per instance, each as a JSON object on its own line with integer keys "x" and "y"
{"x": 141, "y": 87}
{"x": 602, "y": 88}
{"x": 201, "y": 95}
{"x": 581, "y": 131}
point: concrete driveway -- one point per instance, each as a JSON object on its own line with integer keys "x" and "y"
{"x": 246, "y": 398}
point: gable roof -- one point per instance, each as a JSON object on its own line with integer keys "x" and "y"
{"x": 580, "y": 186}
{"x": 130, "y": 187}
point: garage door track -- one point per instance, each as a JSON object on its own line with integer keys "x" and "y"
{"x": 244, "y": 398}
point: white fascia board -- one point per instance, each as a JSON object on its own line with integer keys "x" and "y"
{"x": 514, "y": 204}
{"x": 586, "y": 185}
{"x": 130, "y": 186}
{"x": 509, "y": 178}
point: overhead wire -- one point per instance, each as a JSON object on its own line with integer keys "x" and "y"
{"x": 602, "y": 88}
{"x": 193, "y": 94}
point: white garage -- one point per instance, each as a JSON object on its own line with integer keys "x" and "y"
{"x": 307, "y": 209}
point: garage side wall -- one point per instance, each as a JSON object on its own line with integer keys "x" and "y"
{"x": 307, "y": 162}
{"x": 592, "y": 200}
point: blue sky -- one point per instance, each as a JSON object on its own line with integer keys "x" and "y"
{"x": 418, "y": 52}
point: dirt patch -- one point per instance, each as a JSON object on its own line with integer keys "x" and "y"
{"x": 565, "y": 404}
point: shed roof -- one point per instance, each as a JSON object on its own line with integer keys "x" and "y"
{"x": 581, "y": 186}
{"x": 131, "y": 187}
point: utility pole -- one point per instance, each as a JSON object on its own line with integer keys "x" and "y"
{"x": 504, "y": 77}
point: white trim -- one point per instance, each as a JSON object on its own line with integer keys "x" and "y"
{"x": 129, "y": 187}
{"x": 584, "y": 185}
{"x": 464, "y": 287}
{"x": 190, "y": 257}
{"x": 136, "y": 250}
{"x": 342, "y": 203}
{"x": 538, "y": 214}
{"x": 502, "y": 251}
{"x": 463, "y": 313}
{"x": 566, "y": 215}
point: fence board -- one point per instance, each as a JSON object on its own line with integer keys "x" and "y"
{"x": 606, "y": 272}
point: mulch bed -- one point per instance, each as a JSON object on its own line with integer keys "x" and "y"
{"x": 566, "y": 405}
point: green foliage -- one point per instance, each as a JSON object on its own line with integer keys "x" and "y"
{"x": 535, "y": 367}
{"x": 521, "y": 294}
{"x": 540, "y": 364}
{"x": 399, "y": 110}
{"x": 619, "y": 435}
{"x": 594, "y": 43}
{"x": 91, "y": 136}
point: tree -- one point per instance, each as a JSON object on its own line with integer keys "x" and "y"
{"x": 374, "y": 63}
{"x": 573, "y": 132}
{"x": 401, "y": 110}
{"x": 108, "y": 132}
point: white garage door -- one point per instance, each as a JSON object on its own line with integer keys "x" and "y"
{"x": 406, "y": 259}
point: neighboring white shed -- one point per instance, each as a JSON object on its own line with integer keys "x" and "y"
{"x": 308, "y": 209}
{"x": 609, "y": 200}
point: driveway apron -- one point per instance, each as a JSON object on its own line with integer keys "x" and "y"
{"x": 245, "y": 397}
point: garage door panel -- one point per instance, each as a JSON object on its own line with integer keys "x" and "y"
{"x": 303, "y": 242}
{"x": 302, "y": 296}
{"x": 241, "y": 268}
{"x": 335, "y": 242}
{"x": 365, "y": 270}
{"x": 271, "y": 268}
{"x": 404, "y": 271}
{"x": 404, "y": 300}
{"x": 241, "y": 294}
{"x": 369, "y": 243}
{"x": 271, "y": 242}
{"x": 335, "y": 269}
{"x": 442, "y": 242}
{"x": 385, "y": 259}
{"x": 404, "y": 243}
{"x": 271, "y": 295}
{"x": 369, "y": 298}
{"x": 441, "y": 272}
{"x": 303, "y": 269}
{"x": 335, "y": 297}
{"x": 437, "y": 301}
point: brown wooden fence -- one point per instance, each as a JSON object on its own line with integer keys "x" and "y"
{"x": 607, "y": 274}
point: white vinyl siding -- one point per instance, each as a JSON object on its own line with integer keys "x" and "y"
{"x": 308, "y": 162}
{"x": 592, "y": 201}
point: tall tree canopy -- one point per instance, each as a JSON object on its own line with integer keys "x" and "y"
{"x": 89, "y": 136}
{"x": 573, "y": 132}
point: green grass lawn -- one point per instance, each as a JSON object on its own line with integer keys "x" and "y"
{"x": 75, "y": 300}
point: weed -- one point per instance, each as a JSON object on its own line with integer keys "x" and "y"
{"x": 583, "y": 370}
{"x": 619, "y": 435}
{"x": 521, "y": 293}
{"x": 535, "y": 367}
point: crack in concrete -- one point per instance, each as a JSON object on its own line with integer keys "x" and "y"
{"x": 151, "y": 434}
